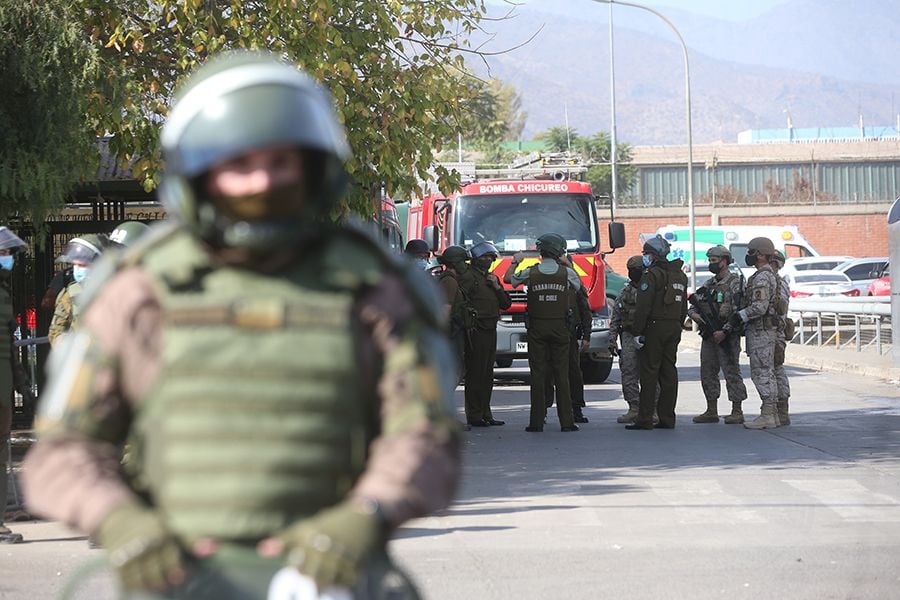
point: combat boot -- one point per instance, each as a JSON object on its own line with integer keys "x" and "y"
{"x": 767, "y": 418}
{"x": 783, "y": 417}
{"x": 737, "y": 415}
{"x": 629, "y": 416}
{"x": 579, "y": 415}
{"x": 711, "y": 415}
{"x": 8, "y": 537}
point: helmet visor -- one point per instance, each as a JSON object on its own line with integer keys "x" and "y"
{"x": 79, "y": 250}
{"x": 10, "y": 241}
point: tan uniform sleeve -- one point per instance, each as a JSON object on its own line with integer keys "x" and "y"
{"x": 413, "y": 465}
{"x": 73, "y": 471}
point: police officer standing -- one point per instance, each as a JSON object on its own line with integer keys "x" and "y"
{"x": 659, "y": 313}
{"x": 81, "y": 253}
{"x": 487, "y": 297}
{"x": 282, "y": 382}
{"x": 718, "y": 300}
{"x": 621, "y": 327}
{"x": 456, "y": 306}
{"x": 10, "y": 245}
{"x": 550, "y": 286}
{"x": 759, "y": 317}
{"x": 784, "y": 331}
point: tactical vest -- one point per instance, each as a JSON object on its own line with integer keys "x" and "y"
{"x": 6, "y": 322}
{"x": 626, "y": 306}
{"x": 548, "y": 295}
{"x": 257, "y": 418}
{"x": 482, "y": 298}
{"x": 767, "y": 320}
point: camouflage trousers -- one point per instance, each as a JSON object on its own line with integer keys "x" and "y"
{"x": 724, "y": 357}
{"x": 781, "y": 379}
{"x": 630, "y": 369}
{"x": 761, "y": 350}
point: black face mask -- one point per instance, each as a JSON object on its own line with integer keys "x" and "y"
{"x": 483, "y": 264}
{"x": 715, "y": 267}
{"x": 635, "y": 275}
{"x": 750, "y": 259}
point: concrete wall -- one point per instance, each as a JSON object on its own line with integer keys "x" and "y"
{"x": 854, "y": 230}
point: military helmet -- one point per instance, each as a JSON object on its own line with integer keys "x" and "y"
{"x": 484, "y": 249}
{"x": 127, "y": 232}
{"x": 85, "y": 248}
{"x": 417, "y": 247}
{"x": 720, "y": 252}
{"x": 551, "y": 244}
{"x": 778, "y": 258}
{"x": 453, "y": 254}
{"x": 657, "y": 245}
{"x": 237, "y": 103}
{"x": 635, "y": 262}
{"x": 761, "y": 245}
{"x": 10, "y": 241}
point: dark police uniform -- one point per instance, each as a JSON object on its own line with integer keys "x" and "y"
{"x": 661, "y": 309}
{"x": 481, "y": 290}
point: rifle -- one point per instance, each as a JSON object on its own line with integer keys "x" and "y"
{"x": 703, "y": 301}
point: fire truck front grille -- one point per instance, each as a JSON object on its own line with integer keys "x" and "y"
{"x": 518, "y": 296}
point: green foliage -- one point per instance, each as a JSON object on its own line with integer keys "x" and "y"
{"x": 395, "y": 68}
{"x": 593, "y": 150}
{"x": 46, "y": 68}
{"x": 492, "y": 115}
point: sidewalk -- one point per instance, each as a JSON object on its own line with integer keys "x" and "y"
{"x": 867, "y": 363}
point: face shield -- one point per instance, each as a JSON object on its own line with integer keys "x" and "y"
{"x": 80, "y": 250}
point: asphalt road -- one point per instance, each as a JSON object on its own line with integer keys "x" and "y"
{"x": 810, "y": 511}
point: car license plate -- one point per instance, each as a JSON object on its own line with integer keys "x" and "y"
{"x": 521, "y": 346}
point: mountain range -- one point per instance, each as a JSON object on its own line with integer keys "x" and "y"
{"x": 818, "y": 64}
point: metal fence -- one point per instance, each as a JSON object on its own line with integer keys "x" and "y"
{"x": 861, "y": 324}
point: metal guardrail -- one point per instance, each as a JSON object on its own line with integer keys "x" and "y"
{"x": 861, "y": 323}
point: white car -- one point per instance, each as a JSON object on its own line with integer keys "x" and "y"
{"x": 819, "y": 284}
{"x": 863, "y": 271}
{"x": 812, "y": 263}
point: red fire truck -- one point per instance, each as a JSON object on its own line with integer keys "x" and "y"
{"x": 512, "y": 214}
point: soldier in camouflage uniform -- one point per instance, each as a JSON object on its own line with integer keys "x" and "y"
{"x": 10, "y": 245}
{"x": 784, "y": 328}
{"x": 284, "y": 384}
{"x": 759, "y": 317}
{"x": 81, "y": 254}
{"x": 621, "y": 322}
{"x": 720, "y": 349}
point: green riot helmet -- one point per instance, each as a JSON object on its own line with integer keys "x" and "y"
{"x": 125, "y": 234}
{"x": 719, "y": 253}
{"x": 453, "y": 255}
{"x": 10, "y": 241}
{"x": 233, "y": 106}
{"x": 551, "y": 245}
{"x": 84, "y": 249}
{"x": 657, "y": 245}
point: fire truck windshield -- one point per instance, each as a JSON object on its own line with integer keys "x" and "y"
{"x": 513, "y": 222}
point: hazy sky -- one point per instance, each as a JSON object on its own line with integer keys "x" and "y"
{"x": 724, "y": 9}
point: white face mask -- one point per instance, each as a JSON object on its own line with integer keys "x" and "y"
{"x": 7, "y": 262}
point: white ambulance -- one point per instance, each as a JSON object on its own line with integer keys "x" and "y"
{"x": 786, "y": 238}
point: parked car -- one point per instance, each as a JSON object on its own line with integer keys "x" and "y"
{"x": 863, "y": 271}
{"x": 881, "y": 286}
{"x": 806, "y": 284}
{"x": 813, "y": 263}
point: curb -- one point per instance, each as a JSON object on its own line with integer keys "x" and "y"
{"x": 828, "y": 359}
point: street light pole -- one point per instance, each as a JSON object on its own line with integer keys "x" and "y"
{"x": 687, "y": 99}
{"x": 613, "y": 158}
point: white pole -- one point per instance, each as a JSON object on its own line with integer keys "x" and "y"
{"x": 459, "y": 147}
{"x": 613, "y": 159}
{"x": 687, "y": 101}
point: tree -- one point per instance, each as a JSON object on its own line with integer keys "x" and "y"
{"x": 394, "y": 67}
{"x": 595, "y": 152}
{"x": 47, "y": 68}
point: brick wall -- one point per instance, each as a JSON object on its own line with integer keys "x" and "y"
{"x": 854, "y": 231}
